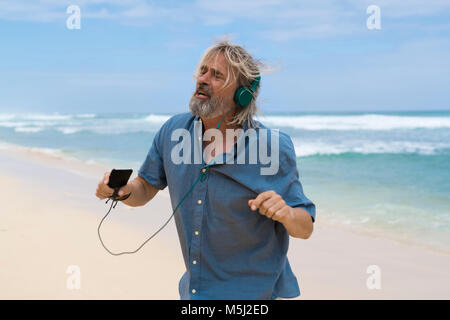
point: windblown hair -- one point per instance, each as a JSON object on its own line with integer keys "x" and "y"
{"x": 241, "y": 67}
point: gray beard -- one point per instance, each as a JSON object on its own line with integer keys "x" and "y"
{"x": 213, "y": 107}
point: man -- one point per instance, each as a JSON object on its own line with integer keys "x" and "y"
{"x": 234, "y": 224}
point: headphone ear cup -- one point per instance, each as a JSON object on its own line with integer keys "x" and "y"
{"x": 243, "y": 96}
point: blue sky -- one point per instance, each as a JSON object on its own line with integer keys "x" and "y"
{"x": 136, "y": 55}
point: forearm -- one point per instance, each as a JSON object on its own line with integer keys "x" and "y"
{"x": 139, "y": 194}
{"x": 298, "y": 223}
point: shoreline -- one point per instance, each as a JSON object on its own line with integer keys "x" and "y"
{"x": 96, "y": 169}
{"x": 332, "y": 264}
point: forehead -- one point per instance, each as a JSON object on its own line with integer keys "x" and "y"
{"x": 216, "y": 61}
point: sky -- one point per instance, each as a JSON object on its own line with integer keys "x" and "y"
{"x": 140, "y": 56}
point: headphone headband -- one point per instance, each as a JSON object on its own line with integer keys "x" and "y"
{"x": 255, "y": 83}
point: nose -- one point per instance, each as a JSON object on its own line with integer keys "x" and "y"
{"x": 204, "y": 84}
{"x": 205, "y": 77}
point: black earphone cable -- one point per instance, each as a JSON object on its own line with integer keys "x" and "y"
{"x": 202, "y": 176}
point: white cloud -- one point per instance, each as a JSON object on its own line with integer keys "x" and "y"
{"x": 410, "y": 8}
{"x": 276, "y": 19}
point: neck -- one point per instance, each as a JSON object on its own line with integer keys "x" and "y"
{"x": 211, "y": 123}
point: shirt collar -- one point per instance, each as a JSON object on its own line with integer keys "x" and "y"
{"x": 225, "y": 157}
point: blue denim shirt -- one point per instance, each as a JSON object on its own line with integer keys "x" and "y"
{"x": 230, "y": 251}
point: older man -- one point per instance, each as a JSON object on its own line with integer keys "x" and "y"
{"x": 234, "y": 224}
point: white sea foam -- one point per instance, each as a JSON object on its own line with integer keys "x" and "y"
{"x": 69, "y": 130}
{"x": 6, "y": 116}
{"x": 86, "y": 115}
{"x": 47, "y": 151}
{"x": 355, "y": 122}
{"x": 13, "y": 124}
{"x": 374, "y": 122}
{"x": 306, "y": 122}
{"x": 28, "y": 129}
{"x": 308, "y": 148}
{"x": 155, "y": 118}
{"x": 51, "y": 152}
{"x": 45, "y": 117}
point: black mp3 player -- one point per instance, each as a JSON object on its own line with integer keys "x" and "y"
{"x": 119, "y": 177}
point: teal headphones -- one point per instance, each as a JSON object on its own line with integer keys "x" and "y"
{"x": 244, "y": 95}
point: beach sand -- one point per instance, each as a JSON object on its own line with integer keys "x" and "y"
{"x": 48, "y": 228}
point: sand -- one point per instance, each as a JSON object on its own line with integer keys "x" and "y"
{"x": 48, "y": 233}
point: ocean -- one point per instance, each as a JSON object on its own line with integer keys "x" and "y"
{"x": 382, "y": 173}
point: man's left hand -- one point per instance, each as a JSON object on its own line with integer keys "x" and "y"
{"x": 271, "y": 205}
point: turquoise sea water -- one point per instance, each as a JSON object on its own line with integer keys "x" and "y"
{"x": 386, "y": 173}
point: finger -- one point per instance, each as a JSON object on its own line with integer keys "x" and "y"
{"x": 107, "y": 190}
{"x": 103, "y": 190}
{"x": 261, "y": 198}
{"x": 263, "y": 207}
{"x": 101, "y": 194}
{"x": 98, "y": 195}
{"x": 106, "y": 178}
{"x": 250, "y": 204}
{"x": 103, "y": 184}
{"x": 281, "y": 214}
{"x": 125, "y": 190}
{"x": 274, "y": 209}
{"x": 273, "y": 200}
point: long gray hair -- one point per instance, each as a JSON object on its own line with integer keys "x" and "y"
{"x": 241, "y": 67}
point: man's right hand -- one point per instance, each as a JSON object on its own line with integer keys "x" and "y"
{"x": 104, "y": 191}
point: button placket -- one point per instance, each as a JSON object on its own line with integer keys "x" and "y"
{"x": 199, "y": 211}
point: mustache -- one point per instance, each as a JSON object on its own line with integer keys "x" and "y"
{"x": 205, "y": 88}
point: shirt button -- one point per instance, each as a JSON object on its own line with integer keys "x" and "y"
{"x": 199, "y": 201}
{"x": 196, "y": 233}
{"x": 194, "y": 291}
{"x": 194, "y": 262}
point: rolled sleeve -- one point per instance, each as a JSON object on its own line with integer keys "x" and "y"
{"x": 292, "y": 192}
{"x": 152, "y": 170}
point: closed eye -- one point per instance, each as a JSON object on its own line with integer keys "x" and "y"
{"x": 215, "y": 73}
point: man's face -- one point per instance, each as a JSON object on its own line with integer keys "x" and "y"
{"x": 210, "y": 98}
